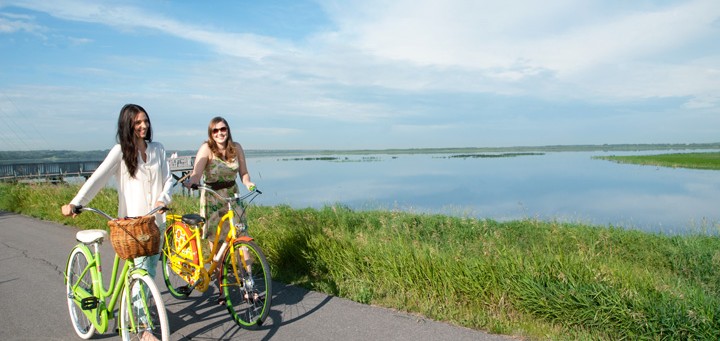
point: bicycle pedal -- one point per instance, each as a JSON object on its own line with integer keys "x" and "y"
{"x": 184, "y": 290}
{"x": 89, "y": 303}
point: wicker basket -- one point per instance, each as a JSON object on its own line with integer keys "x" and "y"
{"x": 135, "y": 236}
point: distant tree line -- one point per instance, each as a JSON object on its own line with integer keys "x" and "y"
{"x": 51, "y": 156}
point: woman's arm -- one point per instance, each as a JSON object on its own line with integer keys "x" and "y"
{"x": 201, "y": 160}
{"x": 166, "y": 195}
{"x": 97, "y": 180}
{"x": 99, "y": 177}
{"x": 243, "y": 170}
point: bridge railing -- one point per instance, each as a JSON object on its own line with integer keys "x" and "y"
{"x": 60, "y": 170}
{"x": 182, "y": 163}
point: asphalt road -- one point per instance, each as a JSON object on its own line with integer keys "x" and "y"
{"x": 33, "y": 254}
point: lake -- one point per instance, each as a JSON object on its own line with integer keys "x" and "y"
{"x": 554, "y": 186}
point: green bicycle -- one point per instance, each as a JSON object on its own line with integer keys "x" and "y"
{"x": 142, "y": 310}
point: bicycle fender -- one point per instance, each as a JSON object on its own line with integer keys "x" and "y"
{"x": 137, "y": 271}
{"x": 244, "y": 239}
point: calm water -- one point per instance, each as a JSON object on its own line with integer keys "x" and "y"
{"x": 562, "y": 186}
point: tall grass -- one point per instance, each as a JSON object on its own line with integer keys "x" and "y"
{"x": 525, "y": 278}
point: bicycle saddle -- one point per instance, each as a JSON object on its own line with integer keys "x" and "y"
{"x": 91, "y": 236}
{"x": 192, "y": 219}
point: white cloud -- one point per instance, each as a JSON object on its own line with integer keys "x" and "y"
{"x": 517, "y": 47}
{"x": 12, "y": 23}
{"x": 499, "y": 44}
{"x": 272, "y": 131}
{"x": 132, "y": 18}
{"x": 422, "y": 129}
{"x": 703, "y": 102}
{"x": 489, "y": 34}
{"x": 513, "y": 68}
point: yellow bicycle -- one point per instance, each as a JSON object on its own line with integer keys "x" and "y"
{"x": 236, "y": 262}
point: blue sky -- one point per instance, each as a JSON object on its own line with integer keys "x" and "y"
{"x": 361, "y": 74}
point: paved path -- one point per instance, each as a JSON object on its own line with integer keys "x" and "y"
{"x": 33, "y": 307}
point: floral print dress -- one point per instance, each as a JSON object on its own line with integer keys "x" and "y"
{"x": 217, "y": 170}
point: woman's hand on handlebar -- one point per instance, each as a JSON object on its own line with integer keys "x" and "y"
{"x": 162, "y": 206}
{"x": 190, "y": 185}
{"x": 69, "y": 210}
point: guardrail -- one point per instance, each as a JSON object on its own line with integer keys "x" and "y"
{"x": 57, "y": 171}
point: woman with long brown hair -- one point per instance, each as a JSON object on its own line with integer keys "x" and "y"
{"x": 142, "y": 172}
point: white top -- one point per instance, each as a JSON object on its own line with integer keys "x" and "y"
{"x": 136, "y": 196}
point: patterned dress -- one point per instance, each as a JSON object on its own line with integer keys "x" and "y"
{"x": 217, "y": 170}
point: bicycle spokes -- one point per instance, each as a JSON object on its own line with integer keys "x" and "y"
{"x": 78, "y": 286}
{"x": 246, "y": 284}
{"x": 142, "y": 312}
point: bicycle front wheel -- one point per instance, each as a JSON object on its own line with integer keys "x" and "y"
{"x": 78, "y": 285}
{"x": 246, "y": 284}
{"x": 142, "y": 309}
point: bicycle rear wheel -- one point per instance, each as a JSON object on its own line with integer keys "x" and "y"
{"x": 246, "y": 284}
{"x": 142, "y": 309}
{"x": 78, "y": 285}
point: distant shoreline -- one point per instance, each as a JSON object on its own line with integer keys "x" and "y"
{"x": 547, "y": 148}
{"x": 68, "y": 155}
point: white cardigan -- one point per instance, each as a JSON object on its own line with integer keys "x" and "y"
{"x": 136, "y": 196}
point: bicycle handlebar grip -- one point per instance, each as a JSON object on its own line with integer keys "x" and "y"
{"x": 194, "y": 186}
{"x": 77, "y": 209}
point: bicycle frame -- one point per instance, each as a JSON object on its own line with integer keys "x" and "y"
{"x": 237, "y": 263}
{"x": 103, "y": 311}
{"x": 220, "y": 250}
{"x": 195, "y": 258}
{"x": 97, "y": 308}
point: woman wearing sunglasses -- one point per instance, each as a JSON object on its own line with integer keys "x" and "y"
{"x": 219, "y": 161}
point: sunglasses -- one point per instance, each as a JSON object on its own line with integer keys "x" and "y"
{"x": 221, "y": 129}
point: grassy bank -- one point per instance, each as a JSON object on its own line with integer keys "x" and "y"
{"x": 683, "y": 160}
{"x": 539, "y": 280}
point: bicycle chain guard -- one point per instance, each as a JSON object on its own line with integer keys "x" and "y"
{"x": 204, "y": 281}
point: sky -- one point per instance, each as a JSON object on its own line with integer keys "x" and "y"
{"x": 365, "y": 74}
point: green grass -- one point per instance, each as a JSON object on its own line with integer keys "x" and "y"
{"x": 683, "y": 160}
{"x": 526, "y": 278}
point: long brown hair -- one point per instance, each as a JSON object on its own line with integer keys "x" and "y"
{"x": 230, "y": 150}
{"x": 126, "y": 135}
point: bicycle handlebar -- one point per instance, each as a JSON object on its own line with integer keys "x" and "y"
{"x": 253, "y": 190}
{"x": 79, "y": 209}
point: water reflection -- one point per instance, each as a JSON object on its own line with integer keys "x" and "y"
{"x": 562, "y": 186}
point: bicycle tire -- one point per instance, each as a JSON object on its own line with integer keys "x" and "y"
{"x": 176, "y": 285}
{"x": 146, "y": 301}
{"x": 248, "y": 301}
{"x": 77, "y": 263}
